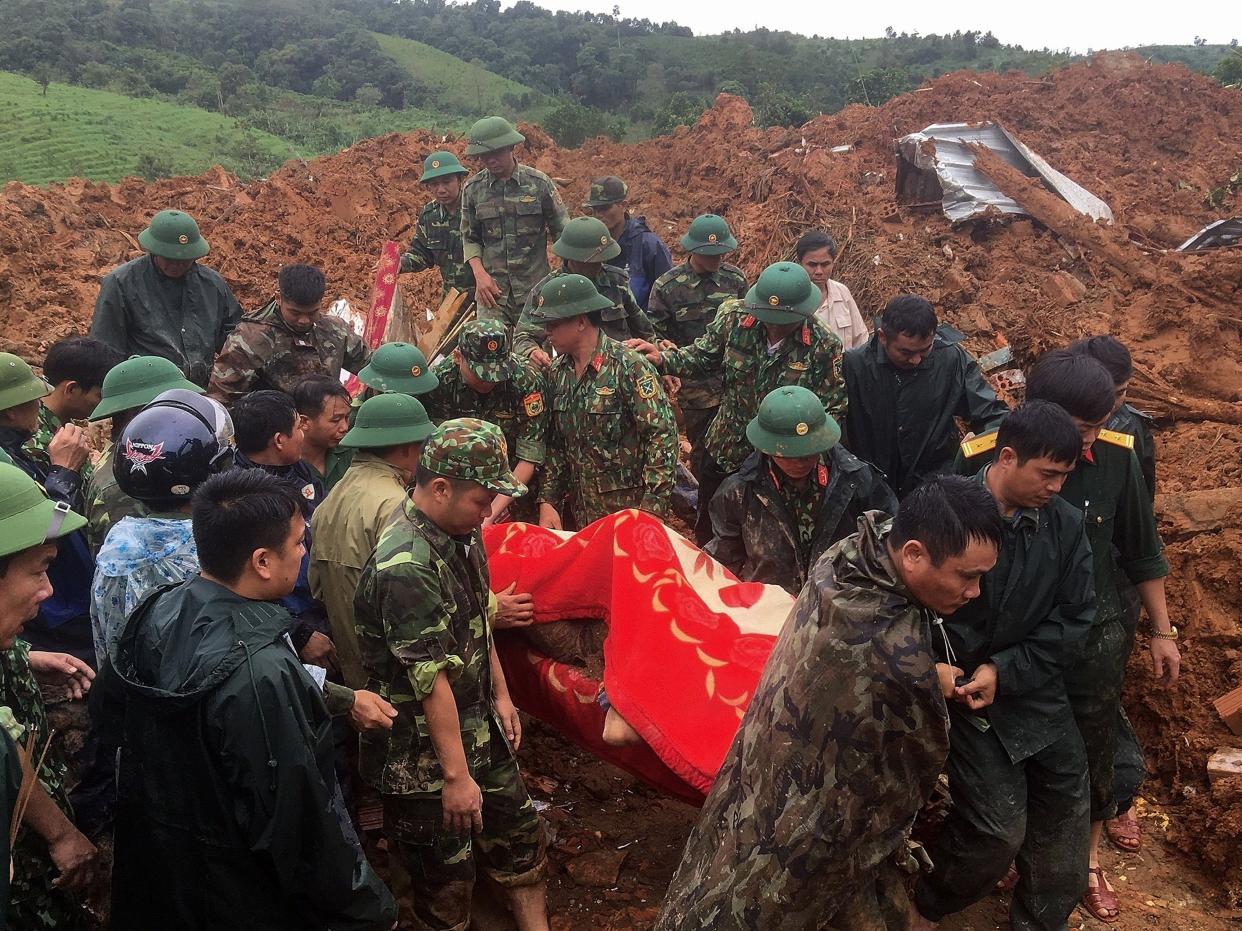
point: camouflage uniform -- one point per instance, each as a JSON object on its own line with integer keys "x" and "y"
{"x": 681, "y": 306}
{"x": 508, "y": 224}
{"x": 263, "y": 353}
{"x": 437, "y": 244}
{"x": 613, "y": 441}
{"x": 421, "y": 608}
{"x": 49, "y": 423}
{"x": 105, "y": 502}
{"x": 841, "y": 746}
{"x": 33, "y": 901}
{"x": 625, "y": 320}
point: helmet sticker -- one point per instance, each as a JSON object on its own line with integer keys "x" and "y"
{"x": 142, "y": 455}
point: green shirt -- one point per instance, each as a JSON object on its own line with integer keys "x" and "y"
{"x": 518, "y": 406}
{"x": 335, "y": 464}
{"x": 437, "y": 243}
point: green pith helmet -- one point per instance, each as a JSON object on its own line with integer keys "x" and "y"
{"x": 565, "y": 297}
{"x": 586, "y": 239}
{"x": 491, "y": 133}
{"x": 784, "y": 293}
{"x": 173, "y": 235}
{"x": 399, "y": 367}
{"x": 709, "y": 235}
{"x": 137, "y": 382}
{"x": 18, "y": 382}
{"x": 606, "y": 191}
{"x": 484, "y": 345}
{"x": 27, "y": 516}
{"x": 388, "y": 420}
{"x": 473, "y": 450}
{"x": 791, "y": 423}
{"x": 439, "y": 164}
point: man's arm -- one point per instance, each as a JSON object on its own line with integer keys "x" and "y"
{"x": 979, "y": 406}
{"x": 510, "y": 721}
{"x": 110, "y": 321}
{"x": 704, "y": 355}
{"x": 554, "y": 213}
{"x": 357, "y": 355}
{"x": 529, "y": 336}
{"x": 662, "y": 316}
{"x": 419, "y": 256}
{"x": 831, "y": 381}
{"x": 461, "y": 798}
{"x": 725, "y": 510}
{"x": 232, "y": 317}
{"x": 236, "y": 370}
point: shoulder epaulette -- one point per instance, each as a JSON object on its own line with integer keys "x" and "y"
{"x": 1125, "y": 440}
{"x": 979, "y": 444}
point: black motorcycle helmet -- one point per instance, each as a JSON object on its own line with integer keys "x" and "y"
{"x": 172, "y": 446}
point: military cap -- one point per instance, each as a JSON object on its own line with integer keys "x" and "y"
{"x": 173, "y": 235}
{"x": 399, "y": 367}
{"x": 27, "y": 516}
{"x": 472, "y": 450}
{"x": 484, "y": 344}
{"x": 18, "y": 382}
{"x": 606, "y": 191}
{"x": 709, "y": 235}
{"x": 586, "y": 239}
{"x": 784, "y": 293}
{"x": 439, "y": 164}
{"x": 388, "y": 420}
{"x": 792, "y": 423}
{"x": 491, "y": 133}
{"x": 567, "y": 296}
{"x": 137, "y": 382}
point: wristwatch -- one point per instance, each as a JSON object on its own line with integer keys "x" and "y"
{"x": 1161, "y": 635}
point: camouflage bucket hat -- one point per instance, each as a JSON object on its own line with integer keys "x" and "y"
{"x": 439, "y": 164}
{"x": 173, "y": 235}
{"x": 784, "y": 293}
{"x": 137, "y": 382}
{"x": 18, "y": 382}
{"x": 606, "y": 191}
{"x": 27, "y": 516}
{"x": 792, "y": 423}
{"x": 472, "y": 450}
{"x": 399, "y": 367}
{"x": 484, "y": 345}
{"x": 586, "y": 239}
{"x": 388, "y": 420}
{"x": 567, "y": 296}
{"x": 492, "y": 133}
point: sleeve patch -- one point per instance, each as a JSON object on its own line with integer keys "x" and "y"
{"x": 533, "y": 403}
{"x": 647, "y": 387}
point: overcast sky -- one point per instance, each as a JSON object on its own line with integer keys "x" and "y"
{"x": 1055, "y": 24}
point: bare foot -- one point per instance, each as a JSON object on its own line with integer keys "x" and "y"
{"x": 617, "y": 731}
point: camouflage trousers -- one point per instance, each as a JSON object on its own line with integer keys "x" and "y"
{"x": 442, "y": 864}
{"x": 34, "y": 903}
{"x": 1034, "y": 812}
{"x": 503, "y": 312}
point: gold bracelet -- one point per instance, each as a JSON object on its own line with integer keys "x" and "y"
{"x": 1161, "y": 635}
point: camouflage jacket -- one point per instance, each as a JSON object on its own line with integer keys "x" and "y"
{"x": 508, "y": 224}
{"x": 624, "y": 320}
{"x": 736, "y": 344}
{"x": 421, "y": 608}
{"x": 49, "y": 423}
{"x": 681, "y": 305}
{"x": 613, "y": 440}
{"x": 105, "y": 502}
{"x": 840, "y": 747}
{"x": 437, "y": 244}
{"x": 761, "y": 538}
{"x": 518, "y": 406}
{"x": 263, "y": 353}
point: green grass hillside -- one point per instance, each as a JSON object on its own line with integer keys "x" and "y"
{"x": 459, "y": 86}
{"x": 78, "y": 132}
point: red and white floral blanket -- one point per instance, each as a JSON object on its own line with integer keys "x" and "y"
{"x": 686, "y": 641}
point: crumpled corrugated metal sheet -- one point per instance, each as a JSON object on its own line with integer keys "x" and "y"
{"x": 1227, "y": 232}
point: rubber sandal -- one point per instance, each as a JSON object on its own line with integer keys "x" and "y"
{"x": 1010, "y": 881}
{"x": 1125, "y": 832}
{"x": 1099, "y": 897}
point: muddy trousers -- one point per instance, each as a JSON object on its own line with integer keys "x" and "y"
{"x": 1035, "y": 812}
{"x": 1094, "y": 687}
{"x": 1129, "y": 766}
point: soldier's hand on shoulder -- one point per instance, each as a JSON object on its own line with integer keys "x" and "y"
{"x": 68, "y": 448}
{"x": 647, "y": 349}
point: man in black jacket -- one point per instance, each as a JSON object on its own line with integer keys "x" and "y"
{"x": 227, "y": 813}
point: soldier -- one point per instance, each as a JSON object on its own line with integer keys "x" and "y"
{"x": 127, "y": 389}
{"x": 797, "y": 494}
{"x": 1017, "y": 765}
{"x": 388, "y": 436}
{"x": 484, "y": 379}
{"x": 453, "y": 797}
{"x": 767, "y": 339}
{"x": 509, "y": 212}
{"x": 817, "y": 253}
{"x": 165, "y": 304}
{"x": 612, "y": 442}
{"x": 1107, "y": 488}
{"x": 584, "y": 246}
{"x": 646, "y": 257}
{"x": 323, "y": 404}
{"x": 805, "y": 826}
{"x": 684, "y": 301}
{"x": 906, "y": 385}
{"x": 290, "y": 338}
{"x": 400, "y": 368}
{"x": 437, "y": 237}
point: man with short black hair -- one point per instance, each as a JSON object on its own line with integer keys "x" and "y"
{"x": 1017, "y": 765}
{"x": 288, "y": 339}
{"x": 228, "y": 813}
{"x": 75, "y": 368}
{"x": 323, "y": 404}
{"x": 805, "y": 826}
{"x": 1111, "y": 353}
{"x": 906, "y": 386}
{"x": 643, "y": 253}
